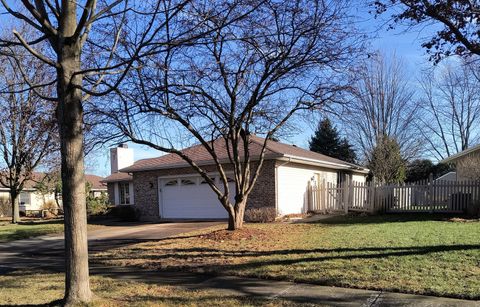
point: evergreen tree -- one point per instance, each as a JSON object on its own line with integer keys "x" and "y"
{"x": 327, "y": 141}
{"x": 386, "y": 163}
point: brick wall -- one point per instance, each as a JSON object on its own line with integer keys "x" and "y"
{"x": 146, "y": 189}
{"x": 263, "y": 193}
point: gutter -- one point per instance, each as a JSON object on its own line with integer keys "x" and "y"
{"x": 325, "y": 164}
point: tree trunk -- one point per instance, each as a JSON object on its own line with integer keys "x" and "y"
{"x": 235, "y": 218}
{"x": 15, "y": 207}
{"x": 70, "y": 122}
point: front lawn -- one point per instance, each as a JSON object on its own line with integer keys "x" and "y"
{"x": 42, "y": 288}
{"x": 424, "y": 255}
{"x": 29, "y": 228}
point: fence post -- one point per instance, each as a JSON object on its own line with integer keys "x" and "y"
{"x": 351, "y": 194}
{"x": 345, "y": 189}
{"x": 323, "y": 194}
{"x": 309, "y": 196}
{"x": 431, "y": 192}
{"x": 372, "y": 195}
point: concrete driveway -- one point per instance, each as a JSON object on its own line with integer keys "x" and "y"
{"x": 47, "y": 251}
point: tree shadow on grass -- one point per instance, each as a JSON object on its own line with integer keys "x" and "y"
{"x": 49, "y": 304}
{"x": 281, "y": 258}
{"x": 340, "y": 253}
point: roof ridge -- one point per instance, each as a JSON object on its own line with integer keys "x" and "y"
{"x": 257, "y": 139}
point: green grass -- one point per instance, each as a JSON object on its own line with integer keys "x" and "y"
{"x": 413, "y": 254}
{"x": 39, "y": 288}
{"x": 28, "y": 229}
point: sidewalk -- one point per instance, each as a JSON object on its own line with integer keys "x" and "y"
{"x": 271, "y": 290}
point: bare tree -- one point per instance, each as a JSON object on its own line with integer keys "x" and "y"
{"x": 90, "y": 46}
{"x": 451, "y": 105}
{"x": 382, "y": 105}
{"x": 247, "y": 77}
{"x": 455, "y": 24}
{"x": 27, "y": 129}
{"x": 469, "y": 167}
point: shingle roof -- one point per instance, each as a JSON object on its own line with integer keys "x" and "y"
{"x": 200, "y": 155}
{"x": 32, "y": 182}
{"x": 465, "y": 152}
{"x": 38, "y": 177}
{"x": 116, "y": 177}
{"x": 96, "y": 182}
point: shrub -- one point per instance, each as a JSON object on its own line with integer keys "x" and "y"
{"x": 126, "y": 213}
{"x": 97, "y": 205}
{"x": 260, "y": 215}
{"x": 51, "y": 207}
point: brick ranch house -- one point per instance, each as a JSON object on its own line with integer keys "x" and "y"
{"x": 168, "y": 188}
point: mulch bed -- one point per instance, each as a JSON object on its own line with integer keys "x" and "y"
{"x": 240, "y": 234}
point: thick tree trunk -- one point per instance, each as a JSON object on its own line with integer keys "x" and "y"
{"x": 15, "y": 208}
{"x": 235, "y": 217}
{"x": 70, "y": 122}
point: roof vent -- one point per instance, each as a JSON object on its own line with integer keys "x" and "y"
{"x": 294, "y": 145}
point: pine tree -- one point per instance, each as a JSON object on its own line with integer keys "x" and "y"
{"x": 327, "y": 141}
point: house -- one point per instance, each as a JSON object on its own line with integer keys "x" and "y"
{"x": 32, "y": 200}
{"x": 97, "y": 187}
{"x": 467, "y": 163}
{"x": 166, "y": 187}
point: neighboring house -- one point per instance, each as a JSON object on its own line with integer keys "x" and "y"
{"x": 467, "y": 163}
{"x": 168, "y": 188}
{"x": 97, "y": 186}
{"x": 29, "y": 199}
{"x": 450, "y": 176}
{"x": 32, "y": 200}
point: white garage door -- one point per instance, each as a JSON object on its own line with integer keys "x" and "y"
{"x": 190, "y": 198}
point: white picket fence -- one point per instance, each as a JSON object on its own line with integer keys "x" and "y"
{"x": 426, "y": 196}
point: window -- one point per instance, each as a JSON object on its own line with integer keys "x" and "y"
{"x": 124, "y": 188}
{"x": 205, "y": 182}
{"x": 230, "y": 179}
{"x": 25, "y": 199}
{"x": 171, "y": 182}
{"x": 187, "y": 182}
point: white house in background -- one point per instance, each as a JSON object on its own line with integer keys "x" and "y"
{"x": 450, "y": 176}
{"x": 31, "y": 200}
{"x": 168, "y": 188}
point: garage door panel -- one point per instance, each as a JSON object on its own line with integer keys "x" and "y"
{"x": 192, "y": 201}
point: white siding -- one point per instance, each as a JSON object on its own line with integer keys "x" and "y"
{"x": 359, "y": 178}
{"x": 293, "y": 184}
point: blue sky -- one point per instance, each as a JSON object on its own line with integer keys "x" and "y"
{"x": 405, "y": 44}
